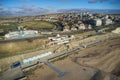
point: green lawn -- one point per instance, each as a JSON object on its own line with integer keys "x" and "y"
{"x": 38, "y": 24}
{"x": 16, "y": 48}
{"x": 6, "y": 28}
{"x": 28, "y": 25}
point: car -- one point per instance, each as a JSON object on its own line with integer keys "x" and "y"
{"x": 16, "y": 64}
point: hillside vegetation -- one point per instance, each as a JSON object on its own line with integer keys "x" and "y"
{"x": 10, "y": 49}
{"x": 38, "y": 24}
{"x": 28, "y": 25}
{"x": 10, "y": 27}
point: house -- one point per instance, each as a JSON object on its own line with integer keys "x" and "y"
{"x": 81, "y": 26}
{"x": 107, "y": 21}
{"x": 60, "y": 39}
{"x": 97, "y": 22}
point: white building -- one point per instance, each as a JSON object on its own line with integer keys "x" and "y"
{"x": 89, "y": 26}
{"x": 21, "y": 34}
{"x": 74, "y": 29}
{"x": 107, "y": 21}
{"x": 117, "y": 30}
{"x": 60, "y": 39}
{"x": 106, "y": 17}
{"x": 97, "y": 22}
{"x": 81, "y": 26}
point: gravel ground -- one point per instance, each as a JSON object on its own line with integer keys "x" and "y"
{"x": 100, "y": 62}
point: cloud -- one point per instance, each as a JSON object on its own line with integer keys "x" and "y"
{"x": 92, "y": 1}
{"x": 31, "y": 10}
{"x": 115, "y": 2}
{"x": 78, "y": 10}
{"x": 25, "y": 8}
{"x": 24, "y": 11}
{"x": 103, "y": 0}
{"x": 65, "y": 0}
{"x": 95, "y": 1}
{"x": 1, "y": 7}
{"x": 4, "y": 12}
{"x": 24, "y": 0}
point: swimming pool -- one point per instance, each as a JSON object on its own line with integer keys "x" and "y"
{"x": 21, "y": 34}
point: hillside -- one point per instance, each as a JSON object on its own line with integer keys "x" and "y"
{"x": 38, "y": 24}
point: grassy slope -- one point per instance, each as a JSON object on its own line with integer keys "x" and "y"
{"x": 12, "y": 26}
{"x": 38, "y": 24}
{"x": 30, "y": 24}
{"x": 15, "y": 48}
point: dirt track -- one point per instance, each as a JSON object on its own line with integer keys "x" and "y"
{"x": 101, "y": 62}
{"x": 105, "y": 56}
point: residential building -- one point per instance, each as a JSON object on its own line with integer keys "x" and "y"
{"x": 97, "y": 22}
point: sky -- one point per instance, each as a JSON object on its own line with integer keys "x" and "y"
{"x": 36, "y": 7}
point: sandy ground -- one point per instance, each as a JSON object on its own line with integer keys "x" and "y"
{"x": 104, "y": 56}
{"x": 100, "y": 62}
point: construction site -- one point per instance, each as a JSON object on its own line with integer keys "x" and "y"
{"x": 95, "y": 62}
{"x": 82, "y": 57}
